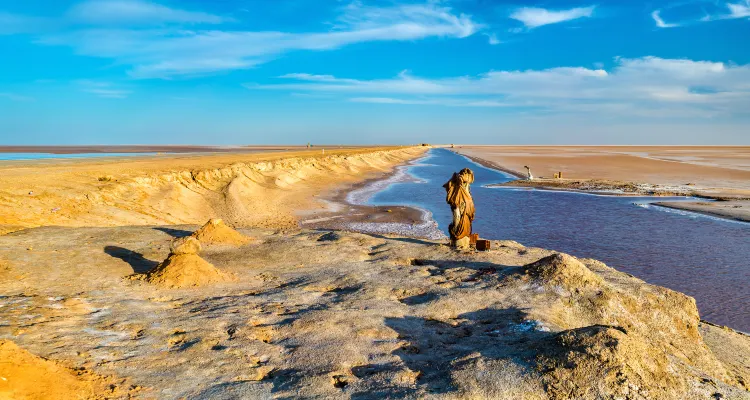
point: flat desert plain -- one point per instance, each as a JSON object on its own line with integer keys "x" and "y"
{"x": 720, "y": 172}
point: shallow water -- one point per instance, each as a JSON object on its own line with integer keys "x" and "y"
{"x": 702, "y": 256}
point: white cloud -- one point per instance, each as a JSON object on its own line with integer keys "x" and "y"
{"x": 135, "y": 11}
{"x": 533, "y": 17}
{"x": 164, "y": 53}
{"x": 725, "y": 11}
{"x": 648, "y": 86}
{"x": 739, "y": 10}
{"x": 492, "y": 39}
{"x": 660, "y": 22}
{"x": 407, "y": 21}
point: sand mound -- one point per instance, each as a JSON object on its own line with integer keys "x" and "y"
{"x": 185, "y": 268}
{"x": 26, "y": 376}
{"x": 604, "y": 362}
{"x": 185, "y": 245}
{"x": 216, "y": 232}
{"x": 564, "y": 271}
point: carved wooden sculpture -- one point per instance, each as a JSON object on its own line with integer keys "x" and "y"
{"x": 458, "y": 196}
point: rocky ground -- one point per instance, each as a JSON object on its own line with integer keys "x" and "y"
{"x": 316, "y": 314}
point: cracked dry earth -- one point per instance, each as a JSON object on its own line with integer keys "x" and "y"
{"x": 347, "y": 315}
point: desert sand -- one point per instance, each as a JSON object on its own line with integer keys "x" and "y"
{"x": 115, "y": 301}
{"x": 141, "y": 149}
{"x": 720, "y": 172}
{"x": 348, "y": 315}
{"x": 257, "y": 189}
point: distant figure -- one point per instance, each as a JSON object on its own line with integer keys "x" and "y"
{"x": 528, "y": 174}
{"x": 458, "y": 196}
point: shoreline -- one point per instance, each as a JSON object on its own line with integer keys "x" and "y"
{"x": 492, "y": 165}
{"x": 732, "y": 208}
{"x": 704, "y": 208}
{"x": 354, "y": 215}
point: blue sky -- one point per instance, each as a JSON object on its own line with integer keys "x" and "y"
{"x": 329, "y": 71}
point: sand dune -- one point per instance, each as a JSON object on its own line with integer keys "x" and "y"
{"x": 244, "y": 190}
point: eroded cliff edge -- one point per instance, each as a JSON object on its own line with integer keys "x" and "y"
{"x": 244, "y": 190}
{"x": 351, "y": 315}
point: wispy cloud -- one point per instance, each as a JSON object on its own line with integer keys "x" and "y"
{"x": 104, "y": 90}
{"x": 660, "y": 22}
{"x": 492, "y": 39}
{"x": 136, "y": 11}
{"x": 533, "y": 17}
{"x": 718, "y": 11}
{"x": 641, "y": 86}
{"x": 444, "y": 101}
{"x": 739, "y": 10}
{"x": 173, "y": 52}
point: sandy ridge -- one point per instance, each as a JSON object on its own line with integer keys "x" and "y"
{"x": 245, "y": 190}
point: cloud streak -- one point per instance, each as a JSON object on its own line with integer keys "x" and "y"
{"x": 136, "y": 11}
{"x": 713, "y": 13}
{"x": 533, "y": 17}
{"x": 172, "y": 52}
{"x": 643, "y": 86}
{"x": 660, "y": 22}
{"x": 739, "y": 10}
{"x": 105, "y": 90}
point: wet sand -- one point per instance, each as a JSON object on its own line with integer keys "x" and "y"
{"x": 721, "y": 172}
{"x": 347, "y": 209}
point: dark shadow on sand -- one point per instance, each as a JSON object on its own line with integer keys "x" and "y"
{"x": 403, "y": 239}
{"x": 136, "y": 260}
{"x": 448, "y": 264}
{"x": 175, "y": 233}
{"x": 434, "y": 346}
